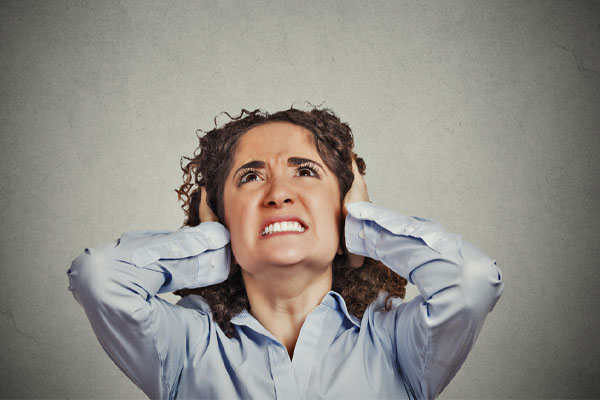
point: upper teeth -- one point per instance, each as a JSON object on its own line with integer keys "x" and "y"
{"x": 283, "y": 226}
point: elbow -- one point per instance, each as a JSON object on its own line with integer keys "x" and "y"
{"x": 470, "y": 296}
{"x": 481, "y": 282}
{"x": 90, "y": 275}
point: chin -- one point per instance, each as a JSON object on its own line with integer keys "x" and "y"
{"x": 290, "y": 260}
{"x": 313, "y": 263}
{"x": 284, "y": 257}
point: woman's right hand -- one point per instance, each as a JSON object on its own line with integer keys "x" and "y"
{"x": 206, "y": 214}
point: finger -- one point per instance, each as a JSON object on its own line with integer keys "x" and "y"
{"x": 202, "y": 203}
{"x": 206, "y": 213}
{"x": 355, "y": 169}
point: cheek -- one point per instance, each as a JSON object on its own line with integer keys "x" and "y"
{"x": 328, "y": 211}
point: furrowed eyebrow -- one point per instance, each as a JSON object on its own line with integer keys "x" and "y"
{"x": 251, "y": 164}
{"x": 255, "y": 164}
{"x": 300, "y": 161}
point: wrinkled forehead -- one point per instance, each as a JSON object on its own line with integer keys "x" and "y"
{"x": 275, "y": 139}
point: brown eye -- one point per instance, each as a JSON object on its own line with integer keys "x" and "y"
{"x": 249, "y": 177}
{"x": 306, "y": 172}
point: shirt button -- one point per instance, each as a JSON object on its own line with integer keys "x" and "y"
{"x": 364, "y": 213}
{"x": 212, "y": 241}
{"x": 409, "y": 229}
{"x": 361, "y": 234}
{"x": 213, "y": 263}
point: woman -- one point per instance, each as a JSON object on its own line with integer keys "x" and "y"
{"x": 291, "y": 206}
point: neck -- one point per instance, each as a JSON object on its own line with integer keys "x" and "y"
{"x": 282, "y": 299}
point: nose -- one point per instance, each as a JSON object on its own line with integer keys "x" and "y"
{"x": 279, "y": 193}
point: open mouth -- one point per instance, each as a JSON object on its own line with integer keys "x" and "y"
{"x": 283, "y": 227}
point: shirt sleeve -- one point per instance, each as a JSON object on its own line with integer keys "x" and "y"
{"x": 458, "y": 285}
{"x": 116, "y": 284}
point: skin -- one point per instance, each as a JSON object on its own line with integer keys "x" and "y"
{"x": 286, "y": 275}
{"x": 357, "y": 193}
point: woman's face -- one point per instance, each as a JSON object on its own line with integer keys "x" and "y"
{"x": 282, "y": 203}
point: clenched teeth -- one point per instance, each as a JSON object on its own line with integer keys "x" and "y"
{"x": 283, "y": 226}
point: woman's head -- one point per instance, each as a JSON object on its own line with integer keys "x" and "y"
{"x": 318, "y": 133}
{"x": 213, "y": 164}
{"x": 281, "y": 203}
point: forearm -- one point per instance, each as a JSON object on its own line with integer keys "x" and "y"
{"x": 423, "y": 252}
{"x": 144, "y": 263}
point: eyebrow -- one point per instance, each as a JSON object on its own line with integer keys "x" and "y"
{"x": 300, "y": 161}
{"x": 251, "y": 164}
{"x": 255, "y": 164}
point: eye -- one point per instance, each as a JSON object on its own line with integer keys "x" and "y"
{"x": 308, "y": 170}
{"x": 248, "y": 176}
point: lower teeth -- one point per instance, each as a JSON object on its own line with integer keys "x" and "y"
{"x": 265, "y": 234}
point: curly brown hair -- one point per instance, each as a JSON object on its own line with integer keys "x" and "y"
{"x": 210, "y": 166}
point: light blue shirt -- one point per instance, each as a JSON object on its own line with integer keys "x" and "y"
{"x": 179, "y": 352}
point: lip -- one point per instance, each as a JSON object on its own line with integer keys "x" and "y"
{"x": 280, "y": 218}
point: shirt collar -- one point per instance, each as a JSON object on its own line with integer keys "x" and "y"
{"x": 332, "y": 299}
{"x": 335, "y": 300}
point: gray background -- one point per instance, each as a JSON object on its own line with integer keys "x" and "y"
{"x": 482, "y": 115}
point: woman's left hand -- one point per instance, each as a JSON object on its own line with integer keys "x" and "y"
{"x": 358, "y": 192}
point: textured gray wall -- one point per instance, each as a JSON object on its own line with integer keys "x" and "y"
{"x": 482, "y": 115}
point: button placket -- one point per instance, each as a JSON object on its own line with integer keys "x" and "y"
{"x": 282, "y": 371}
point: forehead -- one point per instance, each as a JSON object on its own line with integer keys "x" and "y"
{"x": 275, "y": 139}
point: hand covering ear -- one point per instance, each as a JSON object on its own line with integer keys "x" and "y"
{"x": 358, "y": 192}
